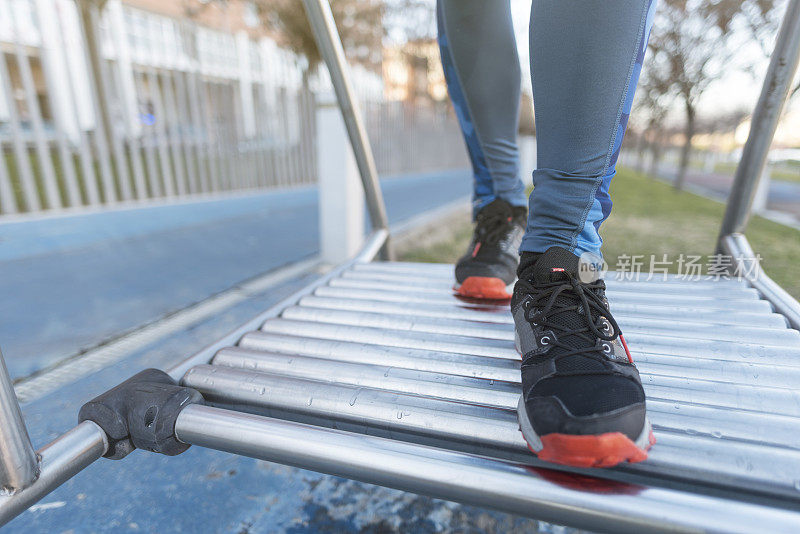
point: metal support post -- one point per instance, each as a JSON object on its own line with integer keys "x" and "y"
{"x": 330, "y": 47}
{"x": 777, "y": 83}
{"x": 18, "y": 464}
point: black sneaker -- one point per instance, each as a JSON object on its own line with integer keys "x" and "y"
{"x": 582, "y": 400}
{"x": 490, "y": 265}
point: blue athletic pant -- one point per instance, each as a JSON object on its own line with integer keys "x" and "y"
{"x": 586, "y": 56}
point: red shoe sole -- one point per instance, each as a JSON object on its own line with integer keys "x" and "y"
{"x": 602, "y": 450}
{"x": 479, "y": 287}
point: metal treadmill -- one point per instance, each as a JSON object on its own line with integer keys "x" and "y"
{"x": 379, "y": 373}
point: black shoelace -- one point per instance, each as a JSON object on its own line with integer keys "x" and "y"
{"x": 565, "y": 296}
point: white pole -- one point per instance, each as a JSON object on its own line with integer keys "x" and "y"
{"x": 341, "y": 196}
{"x": 245, "y": 76}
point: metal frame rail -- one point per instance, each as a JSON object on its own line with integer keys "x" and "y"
{"x": 330, "y": 47}
{"x": 27, "y": 476}
{"x": 777, "y": 83}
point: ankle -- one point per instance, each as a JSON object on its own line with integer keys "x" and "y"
{"x": 526, "y": 261}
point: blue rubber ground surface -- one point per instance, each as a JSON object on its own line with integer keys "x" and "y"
{"x": 69, "y": 283}
{"x": 207, "y": 491}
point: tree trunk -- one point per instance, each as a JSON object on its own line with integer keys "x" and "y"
{"x": 641, "y": 150}
{"x": 686, "y": 150}
{"x": 656, "y": 149}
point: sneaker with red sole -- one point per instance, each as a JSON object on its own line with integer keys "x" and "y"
{"x": 582, "y": 400}
{"x": 489, "y": 267}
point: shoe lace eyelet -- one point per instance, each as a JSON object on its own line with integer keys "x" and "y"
{"x": 606, "y": 348}
{"x": 544, "y": 340}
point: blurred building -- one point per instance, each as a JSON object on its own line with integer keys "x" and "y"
{"x": 413, "y": 72}
{"x": 221, "y": 41}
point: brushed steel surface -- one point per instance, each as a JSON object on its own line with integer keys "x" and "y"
{"x": 629, "y": 325}
{"x": 634, "y": 300}
{"x": 443, "y": 270}
{"x": 445, "y": 287}
{"x": 496, "y": 314}
{"x": 757, "y": 312}
{"x": 387, "y": 350}
{"x": 769, "y": 465}
{"x": 539, "y": 493}
{"x": 786, "y": 376}
{"x": 495, "y": 348}
{"x": 749, "y": 397}
{"x": 18, "y": 463}
{"x": 60, "y": 460}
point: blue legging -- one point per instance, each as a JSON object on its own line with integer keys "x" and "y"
{"x": 586, "y": 56}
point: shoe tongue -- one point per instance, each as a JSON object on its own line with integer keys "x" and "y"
{"x": 554, "y": 265}
{"x": 497, "y": 207}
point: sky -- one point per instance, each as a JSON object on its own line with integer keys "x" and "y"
{"x": 735, "y": 90}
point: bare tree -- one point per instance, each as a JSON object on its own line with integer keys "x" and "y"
{"x": 690, "y": 46}
{"x": 652, "y": 106}
{"x": 360, "y": 25}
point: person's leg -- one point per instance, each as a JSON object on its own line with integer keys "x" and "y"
{"x": 585, "y": 62}
{"x": 582, "y": 399}
{"x": 481, "y": 66}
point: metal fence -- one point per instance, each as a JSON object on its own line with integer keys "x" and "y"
{"x": 179, "y": 109}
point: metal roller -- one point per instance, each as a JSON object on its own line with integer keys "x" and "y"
{"x": 493, "y": 348}
{"x": 402, "y": 322}
{"x": 421, "y": 360}
{"x": 480, "y": 430}
{"x": 638, "y": 298}
{"x": 615, "y": 291}
{"x": 492, "y": 393}
{"x": 748, "y": 312}
{"x": 680, "y": 414}
{"x": 543, "y": 494}
{"x": 655, "y": 285}
{"x": 756, "y": 398}
{"x": 475, "y": 429}
{"x": 432, "y": 270}
{"x": 683, "y": 416}
{"x": 508, "y": 370}
{"x": 774, "y": 336}
{"x": 502, "y": 316}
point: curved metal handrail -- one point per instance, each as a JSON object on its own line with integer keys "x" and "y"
{"x": 330, "y": 47}
{"x": 747, "y": 266}
{"x": 774, "y": 92}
